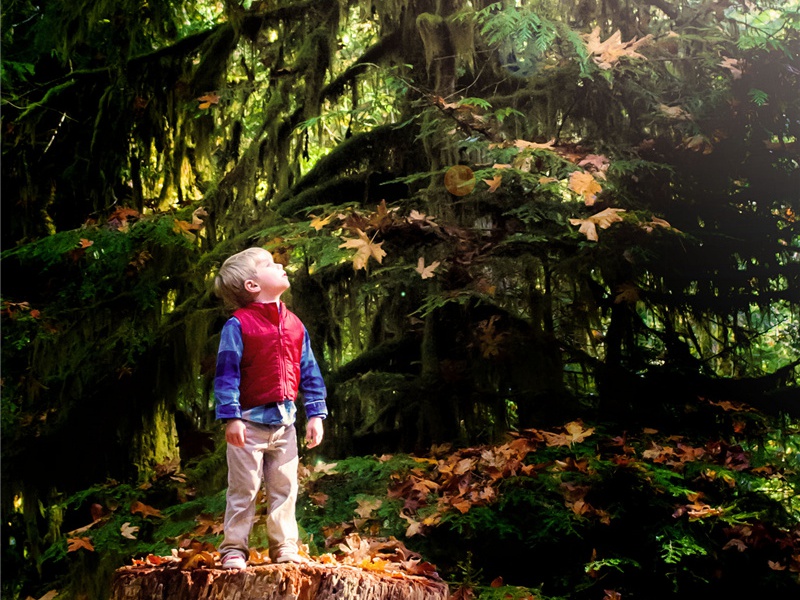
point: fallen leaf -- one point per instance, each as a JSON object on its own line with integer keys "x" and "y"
{"x": 604, "y": 219}
{"x": 606, "y": 54}
{"x": 426, "y": 272}
{"x": 733, "y": 65}
{"x": 74, "y": 544}
{"x": 493, "y": 183}
{"x": 206, "y": 100}
{"x": 144, "y": 510}
{"x": 523, "y": 145}
{"x": 128, "y": 531}
{"x": 586, "y": 185}
{"x": 674, "y": 112}
{"x": 367, "y": 507}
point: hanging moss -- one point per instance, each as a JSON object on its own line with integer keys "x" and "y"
{"x": 433, "y": 32}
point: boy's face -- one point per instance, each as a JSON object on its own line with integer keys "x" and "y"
{"x": 270, "y": 279}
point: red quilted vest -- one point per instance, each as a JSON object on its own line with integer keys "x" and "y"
{"x": 273, "y": 347}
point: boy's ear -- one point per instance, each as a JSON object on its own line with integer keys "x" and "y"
{"x": 251, "y": 286}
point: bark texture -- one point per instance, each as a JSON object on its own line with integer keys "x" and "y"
{"x": 272, "y": 582}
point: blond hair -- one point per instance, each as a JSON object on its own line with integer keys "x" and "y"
{"x": 229, "y": 282}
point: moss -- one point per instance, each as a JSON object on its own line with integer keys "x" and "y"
{"x": 432, "y": 30}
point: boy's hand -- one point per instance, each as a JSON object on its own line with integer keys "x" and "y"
{"x": 234, "y": 433}
{"x": 314, "y": 432}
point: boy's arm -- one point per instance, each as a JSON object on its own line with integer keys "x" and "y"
{"x": 228, "y": 375}
{"x": 311, "y": 384}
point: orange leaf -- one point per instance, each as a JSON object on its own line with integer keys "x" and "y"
{"x": 320, "y": 222}
{"x": 604, "y": 219}
{"x": 586, "y": 185}
{"x": 78, "y": 543}
{"x": 364, "y": 249}
{"x": 497, "y": 582}
{"x": 144, "y": 510}
{"x": 206, "y": 100}
{"x": 493, "y": 183}
{"x": 523, "y": 145}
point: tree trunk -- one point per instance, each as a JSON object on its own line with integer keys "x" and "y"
{"x": 272, "y": 582}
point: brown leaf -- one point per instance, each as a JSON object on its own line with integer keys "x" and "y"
{"x": 604, "y": 219}
{"x": 367, "y": 507}
{"x": 523, "y": 145}
{"x": 74, "y": 544}
{"x": 144, "y": 510}
{"x": 206, "y": 100}
{"x": 493, "y": 183}
{"x": 607, "y": 53}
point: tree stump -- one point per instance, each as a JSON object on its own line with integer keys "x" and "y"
{"x": 272, "y": 582}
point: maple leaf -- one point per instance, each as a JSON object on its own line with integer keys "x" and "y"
{"x": 84, "y": 243}
{"x": 598, "y": 162}
{"x": 196, "y": 559}
{"x": 319, "y": 222}
{"x": 698, "y": 143}
{"x": 382, "y": 217}
{"x": 493, "y": 183}
{"x": 733, "y": 65}
{"x": 586, "y": 185}
{"x": 422, "y": 219}
{"x": 575, "y": 433}
{"x": 326, "y": 468}
{"x": 127, "y": 531}
{"x": 606, "y": 54}
{"x": 74, "y": 544}
{"x": 185, "y": 228}
{"x": 364, "y": 249}
{"x": 144, "y": 510}
{"x": 656, "y": 222}
{"x": 525, "y": 145}
{"x": 367, "y": 506}
{"x": 206, "y": 100}
{"x": 426, "y": 272}
{"x": 674, "y": 112}
{"x": 320, "y": 499}
{"x": 604, "y": 219}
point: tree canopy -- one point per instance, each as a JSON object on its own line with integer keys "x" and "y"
{"x": 497, "y": 217}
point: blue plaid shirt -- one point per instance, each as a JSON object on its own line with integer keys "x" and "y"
{"x": 226, "y": 384}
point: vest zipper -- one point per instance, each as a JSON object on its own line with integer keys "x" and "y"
{"x": 282, "y": 369}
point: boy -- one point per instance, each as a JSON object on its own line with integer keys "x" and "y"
{"x": 264, "y": 358}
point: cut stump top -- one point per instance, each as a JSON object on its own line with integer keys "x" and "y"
{"x": 272, "y": 582}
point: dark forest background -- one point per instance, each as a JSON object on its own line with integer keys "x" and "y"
{"x": 547, "y": 251}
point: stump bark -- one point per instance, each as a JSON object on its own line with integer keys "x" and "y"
{"x": 272, "y": 582}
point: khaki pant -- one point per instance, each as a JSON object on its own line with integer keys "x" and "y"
{"x": 270, "y": 451}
